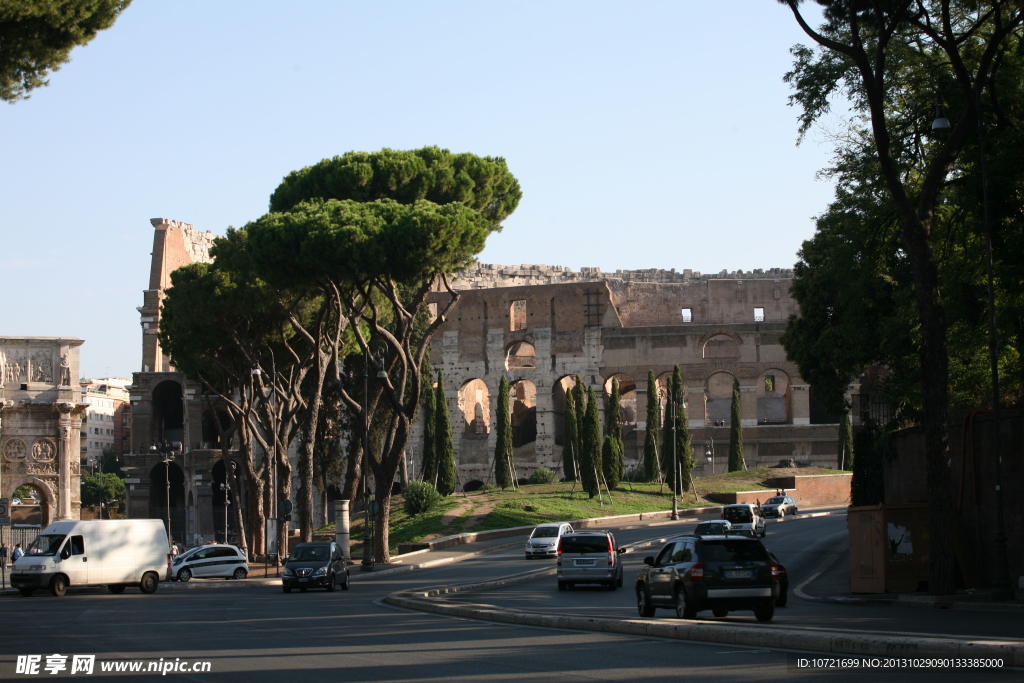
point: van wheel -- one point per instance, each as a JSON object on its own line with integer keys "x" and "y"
{"x": 240, "y": 574}
{"x": 149, "y": 583}
{"x": 59, "y": 585}
{"x": 684, "y": 609}
{"x": 27, "y": 592}
{"x": 765, "y": 611}
{"x": 185, "y": 575}
{"x": 116, "y": 588}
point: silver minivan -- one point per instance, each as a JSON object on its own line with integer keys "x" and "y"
{"x": 589, "y": 557}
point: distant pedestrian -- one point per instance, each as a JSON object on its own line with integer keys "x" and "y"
{"x": 17, "y": 554}
{"x": 174, "y": 550}
{"x": 4, "y": 550}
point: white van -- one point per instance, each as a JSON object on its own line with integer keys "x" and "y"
{"x": 744, "y": 517}
{"x": 115, "y": 553}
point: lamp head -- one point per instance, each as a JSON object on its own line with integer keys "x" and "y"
{"x": 941, "y": 122}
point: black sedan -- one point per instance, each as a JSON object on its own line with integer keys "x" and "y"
{"x": 315, "y": 565}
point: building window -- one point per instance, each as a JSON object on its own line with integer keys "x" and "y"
{"x": 517, "y": 315}
{"x": 687, "y": 315}
{"x": 758, "y": 315}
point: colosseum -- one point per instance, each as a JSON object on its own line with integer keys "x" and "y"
{"x": 541, "y": 326}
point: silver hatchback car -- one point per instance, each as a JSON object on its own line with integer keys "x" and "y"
{"x": 589, "y": 557}
{"x": 543, "y": 542}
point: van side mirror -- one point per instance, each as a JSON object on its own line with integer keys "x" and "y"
{"x": 65, "y": 552}
{"x": 649, "y": 560}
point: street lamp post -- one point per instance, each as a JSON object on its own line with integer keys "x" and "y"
{"x": 1001, "y": 571}
{"x": 165, "y": 448}
{"x": 675, "y": 463}
{"x": 226, "y": 489}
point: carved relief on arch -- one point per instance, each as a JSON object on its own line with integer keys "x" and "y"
{"x": 15, "y": 450}
{"x": 44, "y": 450}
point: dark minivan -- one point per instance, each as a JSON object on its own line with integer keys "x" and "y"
{"x": 720, "y": 573}
{"x": 315, "y": 565}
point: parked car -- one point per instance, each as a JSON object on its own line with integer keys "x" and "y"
{"x": 779, "y": 506}
{"x": 543, "y": 541}
{"x": 744, "y": 516}
{"x": 783, "y": 582}
{"x": 315, "y": 565}
{"x": 715, "y": 528}
{"x": 589, "y": 557}
{"x": 208, "y": 562}
{"x": 717, "y": 573}
{"x": 115, "y": 553}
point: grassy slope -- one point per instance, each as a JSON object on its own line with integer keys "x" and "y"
{"x": 553, "y": 503}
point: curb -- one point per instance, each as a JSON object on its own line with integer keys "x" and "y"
{"x": 835, "y": 641}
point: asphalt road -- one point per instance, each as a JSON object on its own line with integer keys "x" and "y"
{"x": 250, "y": 633}
{"x": 802, "y": 545}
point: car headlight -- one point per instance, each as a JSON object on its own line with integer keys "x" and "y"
{"x": 320, "y": 572}
{"x": 288, "y": 572}
{"x": 37, "y": 567}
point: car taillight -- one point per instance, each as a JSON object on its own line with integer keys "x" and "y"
{"x": 778, "y": 571}
{"x": 558, "y": 561}
{"x": 697, "y": 572}
{"x": 611, "y": 553}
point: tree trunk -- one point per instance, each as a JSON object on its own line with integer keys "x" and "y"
{"x": 306, "y": 455}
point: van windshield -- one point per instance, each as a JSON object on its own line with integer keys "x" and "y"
{"x": 738, "y": 515}
{"x": 45, "y": 544}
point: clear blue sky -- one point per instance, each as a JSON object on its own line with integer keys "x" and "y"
{"x": 644, "y": 134}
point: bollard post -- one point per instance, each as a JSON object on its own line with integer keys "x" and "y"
{"x": 342, "y": 535}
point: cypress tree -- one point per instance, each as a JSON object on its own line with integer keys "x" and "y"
{"x": 590, "y": 446}
{"x": 675, "y": 424}
{"x": 580, "y": 400}
{"x": 652, "y": 464}
{"x": 429, "y": 472}
{"x": 612, "y": 450}
{"x": 444, "y": 448}
{"x": 571, "y": 440}
{"x": 503, "y": 447}
{"x": 845, "y": 442}
{"x": 736, "y": 430}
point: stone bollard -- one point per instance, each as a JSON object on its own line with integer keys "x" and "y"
{"x": 341, "y": 528}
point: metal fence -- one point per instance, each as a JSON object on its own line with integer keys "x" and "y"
{"x": 13, "y": 535}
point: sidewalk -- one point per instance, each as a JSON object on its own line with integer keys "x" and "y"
{"x": 832, "y": 584}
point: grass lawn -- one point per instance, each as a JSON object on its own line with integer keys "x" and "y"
{"x": 535, "y": 504}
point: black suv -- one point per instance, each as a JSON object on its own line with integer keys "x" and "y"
{"x": 720, "y": 573}
{"x": 315, "y": 565}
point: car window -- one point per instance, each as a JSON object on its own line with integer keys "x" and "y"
{"x": 310, "y": 554}
{"x": 774, "y": 500}
{"x": 545, "y": 532}
{"x": 738, "y": 515}
{"x": 225, "y": 552}
{"x": 664, "y": 557}
{"x": 77, "y": 545}
{"x": 733, "y": 551}
{"x": 584, "y": 544}
{"x": 683, "y": 552}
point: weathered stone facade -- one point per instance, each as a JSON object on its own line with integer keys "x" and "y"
{"x": 40, "y": 421}
{"x": 542, "y": 325}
